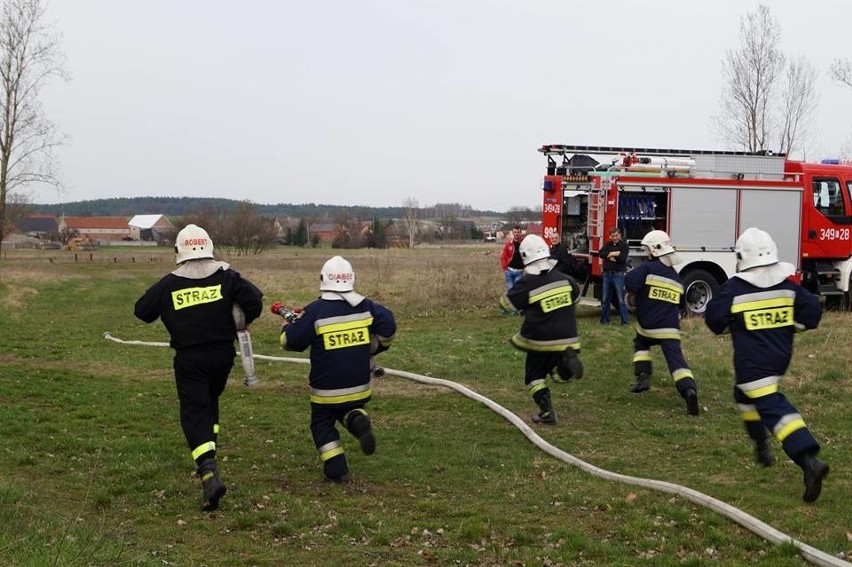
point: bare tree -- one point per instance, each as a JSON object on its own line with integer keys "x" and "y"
{"x": 751, "y": 72}
{"x": 17, "y": 207}
{"x": 250, "y": 233}
{"x": 411, "y": 222}
{"x": 841, "y": 71}
{"x": 798, "y": 103}
{"x": 520, "y": 215}
{"x": 212, "y": 219}
{"x": 29, "y": 58}
{"x": 240, "y": 232}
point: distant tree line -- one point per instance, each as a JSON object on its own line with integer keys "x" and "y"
{"x": 180, "y": 206}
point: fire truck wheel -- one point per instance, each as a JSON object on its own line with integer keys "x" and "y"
{"x": 700, "y": 287}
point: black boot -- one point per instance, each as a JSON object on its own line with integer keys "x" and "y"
{"x": 546, "y": 415}
{"x": 570, "y": 367}
{"x": 691, "y": 397}
{"x": 358, "y": 424}
{"x": 642, "y": 384}
{"x": 213, "y": 489}
{"x": 763, "y": 453}
{"x": 815, "y": 470}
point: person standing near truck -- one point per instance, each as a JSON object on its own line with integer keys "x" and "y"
{"x": 614, "y": 254}
{"x": 510, "y": 258}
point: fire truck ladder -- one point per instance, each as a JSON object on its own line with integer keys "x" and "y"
{"x": 595, "y": 226}
{"x": 562, "y": 149}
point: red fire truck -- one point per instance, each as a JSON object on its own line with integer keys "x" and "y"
{"x": 704, "y": 200}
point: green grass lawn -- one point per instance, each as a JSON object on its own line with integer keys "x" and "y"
{"x": 95, "y": 470}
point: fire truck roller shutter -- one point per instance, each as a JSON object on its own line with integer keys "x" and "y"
{"x": 778, "y": 213}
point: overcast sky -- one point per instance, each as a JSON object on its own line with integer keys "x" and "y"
{"x": 370, "y": 102}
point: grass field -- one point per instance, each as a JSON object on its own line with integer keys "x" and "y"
{"x": 95, "y": 470}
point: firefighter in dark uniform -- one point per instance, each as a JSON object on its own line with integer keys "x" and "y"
{"x": 343, "y": 330}
{"x": 196, "y": 303}
{"x": 762, "y": 309}
{"x": 547, "y": 298}
{"x": 657, "y": 292}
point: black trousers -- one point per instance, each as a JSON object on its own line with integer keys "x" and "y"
{"x": 200, "y": 377}
{"x": 324, "y": 420}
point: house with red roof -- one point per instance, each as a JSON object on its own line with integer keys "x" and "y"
{"x": 96, "y": 229}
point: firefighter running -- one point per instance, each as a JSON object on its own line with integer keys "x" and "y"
{"x": 547, "y": 298}
{"x": 657, "y": 291}
{"x": 344, "y": 330}
{"x": 762, "y": 309}
{"x": 196, "y": 303}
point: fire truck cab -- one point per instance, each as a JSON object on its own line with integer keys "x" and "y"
{"x": 704, "y": 200}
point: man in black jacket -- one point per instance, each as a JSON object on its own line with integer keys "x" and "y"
{"x": 197, "y": 303}
{"x": 614, "y": 254}
{"x": 559, "y": 253}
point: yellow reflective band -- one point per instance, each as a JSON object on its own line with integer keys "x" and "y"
{"x": 355, "y": 396}
{"x": 216, "y": 428}
{"x": 331, "y": 453}
{"x": 642, "y": 357}
{"x": 666, "y": 333}
{"x": 768, "y": 303}
{"x": 335, "y": 324}
{"x": 538, "y": 385}
{"x": 557, "y": 345}
{"x": 660, "y": 293}
{"x": 681, "y": 373}
{"x": 760, "y": 392}
{"x": 750, "y": 415}
{"x": 665, "y": 283}
{"x": 282, "y": 339}
{"x": 768, "y": 318}
{"x": 506, "y": 304}
{"x": 791, "y": 427}
{"x": 196, "y": 296}
{"x": 203, "y": 448}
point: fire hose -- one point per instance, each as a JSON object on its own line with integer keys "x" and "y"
{"x": 754, "y": 525}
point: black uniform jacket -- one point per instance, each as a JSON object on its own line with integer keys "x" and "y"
{"x": 199, "y": 312}
{"x": 762, "y": 322}
{"x": 548, "y": 301}
{"x": 659, "y": 298}
{"x": 342, "y": 338}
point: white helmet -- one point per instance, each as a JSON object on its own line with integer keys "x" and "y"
{"x": 337, "y": 275}
{"x": 659, "y": 243}
{"x": 192, "y": 243}
{"x": 533, "y": 248}
{"x": 755, "y": 248}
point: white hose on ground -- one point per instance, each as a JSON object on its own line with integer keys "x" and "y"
{"x": 756, "y": 526}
